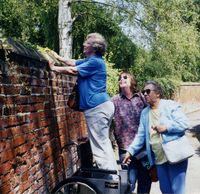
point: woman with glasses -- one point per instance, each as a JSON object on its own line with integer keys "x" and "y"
{"x": 128, "y": 106}
{"x": 94, "y": 99}
{"x": 162, "y": 120}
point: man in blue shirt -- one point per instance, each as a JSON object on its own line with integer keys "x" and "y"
{"x": 94, "y": 100}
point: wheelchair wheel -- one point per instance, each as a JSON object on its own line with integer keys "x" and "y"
{"x": 75, "y": 186}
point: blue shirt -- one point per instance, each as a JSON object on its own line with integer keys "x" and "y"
{"x": 92, "y": 82}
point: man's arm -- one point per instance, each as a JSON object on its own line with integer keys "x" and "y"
{"x": 68, "y": 62}
{"x": 64, "y": 70}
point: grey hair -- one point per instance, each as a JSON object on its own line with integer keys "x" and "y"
{"x": 98, "y": 43}
{"x": 157, "y": 87}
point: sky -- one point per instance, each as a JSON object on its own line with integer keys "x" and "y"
{"x": 138, "y": 35}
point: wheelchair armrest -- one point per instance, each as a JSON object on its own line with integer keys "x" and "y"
{"x": 99, "y": 170}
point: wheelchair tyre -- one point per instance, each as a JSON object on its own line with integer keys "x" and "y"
{"x": 75, "y": 185}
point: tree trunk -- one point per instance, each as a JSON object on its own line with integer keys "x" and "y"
{"x": 65, "y": 22}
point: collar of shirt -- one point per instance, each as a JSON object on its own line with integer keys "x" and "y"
{"x": 134, "y": 95}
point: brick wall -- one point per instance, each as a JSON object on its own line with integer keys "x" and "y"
{"x": 35, "y": 125}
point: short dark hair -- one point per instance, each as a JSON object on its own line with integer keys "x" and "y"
{"x": 156, "y": 85}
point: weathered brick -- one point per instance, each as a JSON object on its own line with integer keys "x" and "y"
{"x": 3, "y": 122}
{"x": 12, "y": 89}
{"x": 5, "y": 133}
{"x": 5, "y": 168}
{"x": 25, "y": 176}
{"x": 17, "y": 130}
{"x": 7, "y": 155}
{"x": 7, "y": 176}
{"x": 18, "y": 140}
{"x": 24, "y": 186}
{"x": 23, "y": 108}
{"x": 35, "y": 124}
{"x": 2, "y": 91}
{"x": 19, "y": 150}
{"x": 16, "y": 120}
{"x": 6, "y": 188}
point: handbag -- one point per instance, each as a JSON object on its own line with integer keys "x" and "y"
{"x": 142, "y": 157}
{"x": 178, "y": 150}
{"x": 73, "y": 100}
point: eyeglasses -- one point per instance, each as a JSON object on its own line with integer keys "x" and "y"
{"x": 124, "y": 77}
{"x": 147, "y": 91}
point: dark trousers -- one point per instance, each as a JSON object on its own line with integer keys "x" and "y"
{"x": 137, "y": 172}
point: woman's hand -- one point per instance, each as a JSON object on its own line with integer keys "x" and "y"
{"x": 51, "y": 65}
{"x": 127, "y": 158}
{"x": 159, "y": 128}
{"x": 71, "y": 70}
{"x": 67, "y": 62}
{"x": 56, "y": 55}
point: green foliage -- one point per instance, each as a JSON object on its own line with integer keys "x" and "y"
{"x": 30, "y": 21}
{"x": 94, "y": 17}
{"x": 174, "y": 51}
{"x": 173, "y": 30}
{"x": 112, "y": 79}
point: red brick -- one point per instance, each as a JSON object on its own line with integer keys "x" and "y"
{"x": 8, "y": 110}
{"x": 34, "y": 125}
{"x": 7, "y": 177}
{"x": 22, "y": 149}
{"x": 23, "y": 108}
{"x": 16, "y": 120}
{"x": 44, "y": 123}
{"x": 16, "y": 130}
{"x": 32, "y": 170}
{"x": 6, "y": 155}
{"x": 2, "y": 100}
{"x": 2, "y": 89}
{"x": 5, "y": 133}
{"x": 6, "y": 145}
{"x": 18, "y": 140}
{"x": 9, "y": 100}
{"x": 34, "y": 140}
{"x": 37, "y": 90}
{"x": 15, "y": 181}
{"x": 37, "y": 107}
{"x": 24, "y": 186}
{"x": 24, "y": 70}
{"x": 20, "y": 169}
{"x": 6, "y": 188}
{"x": 46, "y": 131}
{"x": 25, "y": 176}
{"x": 47, "y": 151}
{"x": 12, "y": 89}
{"x": 3, "y": 122}
{"x": 5, "y": 168}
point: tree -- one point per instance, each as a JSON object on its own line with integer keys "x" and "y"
{"x": 30, "y": 21}
{"x": 65, "y": 23}
{"x": 91, "y": 17}
{"x": 173, "y": 50}
{"x": 171, "y": 29}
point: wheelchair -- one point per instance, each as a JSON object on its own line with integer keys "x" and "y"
{"x": 90, "y": 180}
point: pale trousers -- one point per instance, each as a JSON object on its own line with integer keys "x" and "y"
{"x": 98, "y": 121}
